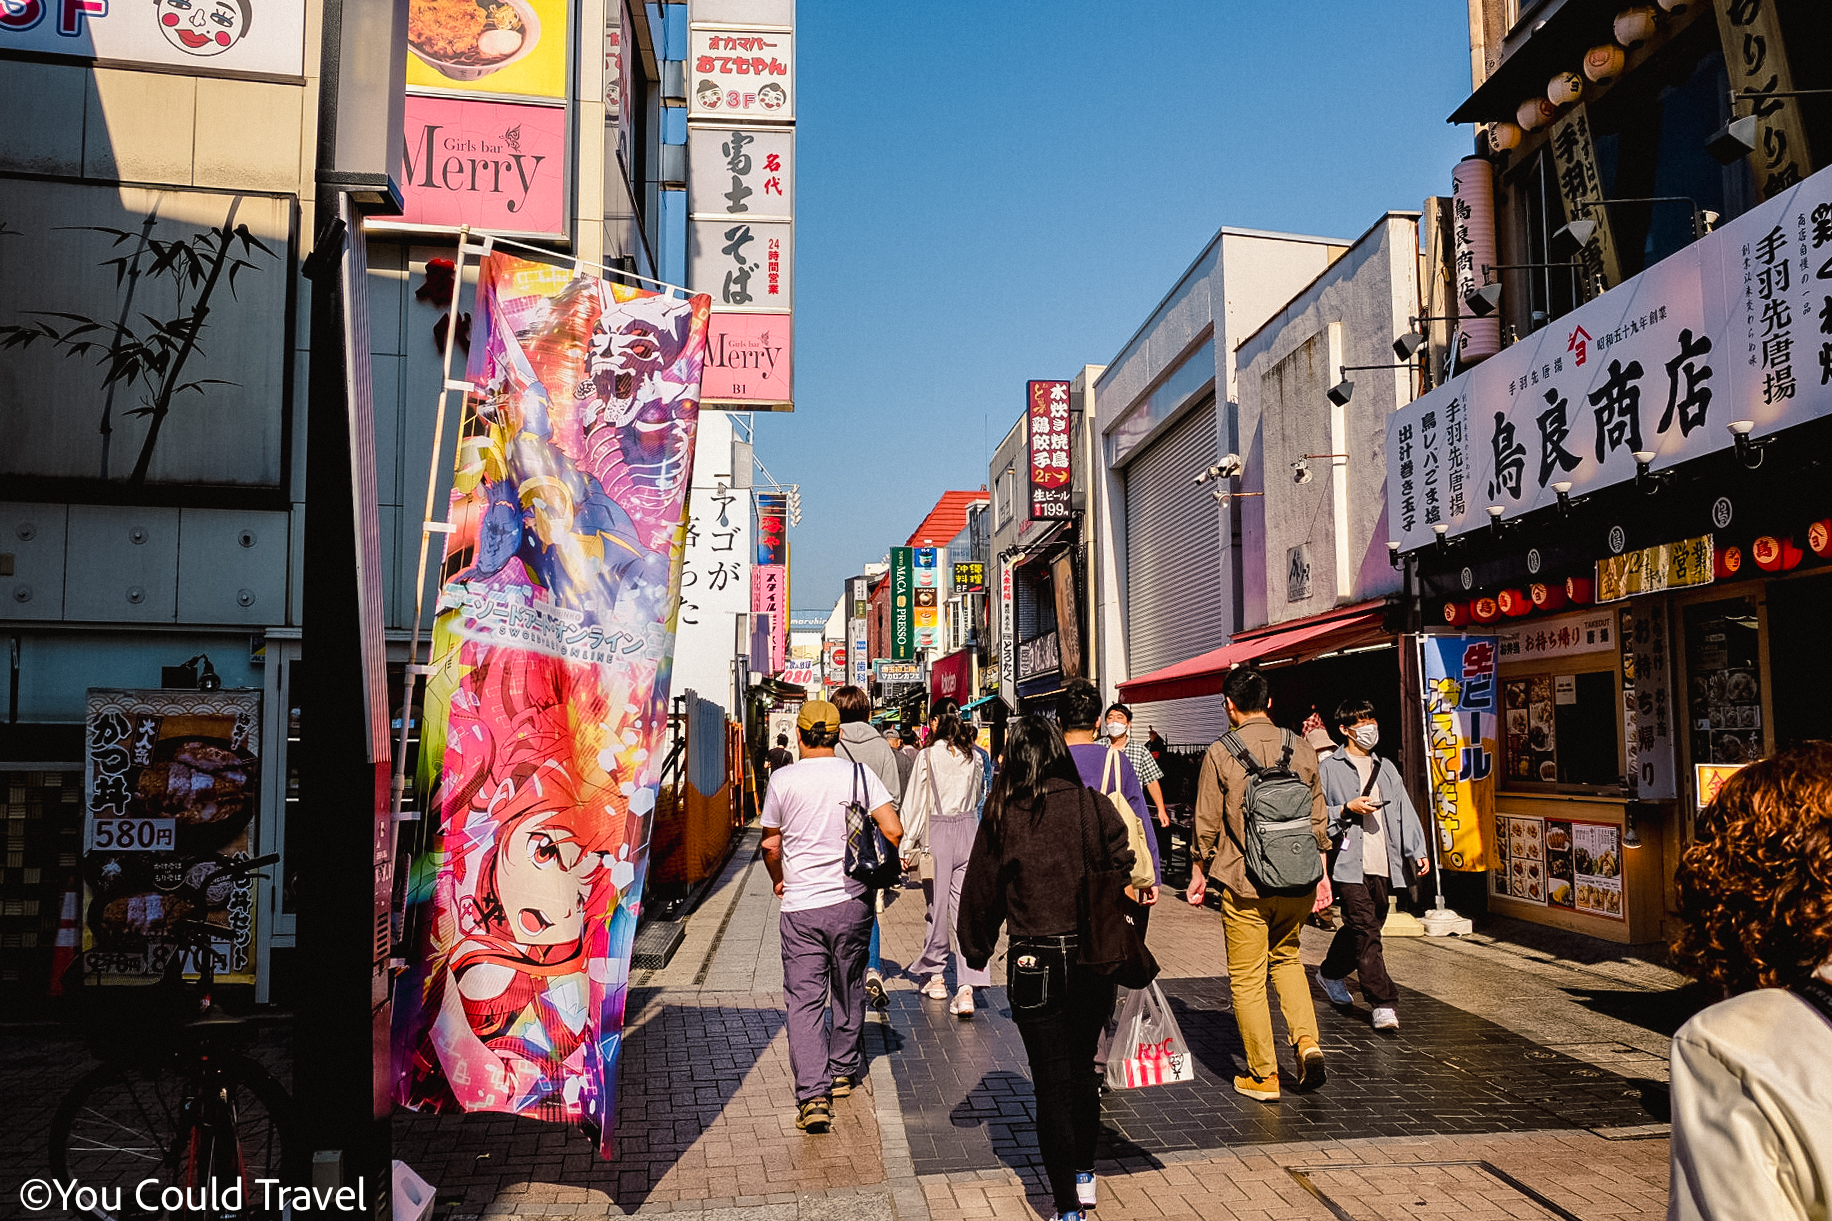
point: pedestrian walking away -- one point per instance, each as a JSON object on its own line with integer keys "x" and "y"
{"x": 779, "y": 756}
{"x": 1079, "y": 708}
{"x": 826, "y": 916}
{"x": 1751, "y": 1076}
{"x": 940, "y": 817}
{"x": 1261, "y": 917}
{"x": 1377, "y": 846}
{"x": 1029, "y": 858}
{"x": 863, "y": 744}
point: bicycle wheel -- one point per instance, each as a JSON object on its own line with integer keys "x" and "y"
{"x": 178, "y": 1123}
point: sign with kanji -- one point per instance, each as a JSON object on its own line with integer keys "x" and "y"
{"x": 741, "y": 171}
{"x": 1050, "y": 467}
{"x": 1733, "y": 327}
{"x": 1580, "y": 187}
{"x": 970, "y": 577}
{"x": 740, "y": 74}
{"x": 1462, "y": 723}
{"x": 772, "y": 531}
{"x": 716, "y": 569}
{"x": 770, "y": 596}
{"x": 1558, "y": 636}
{"x": 1649, "y": 570}
{"x": 743, "y": 263}
{"x": 1758, "y": 63}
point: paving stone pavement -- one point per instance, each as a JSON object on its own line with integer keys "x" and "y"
{"x": 1527, "y": 1081}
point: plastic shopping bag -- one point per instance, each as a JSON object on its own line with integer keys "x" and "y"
{"x": 1147, "y": 1047}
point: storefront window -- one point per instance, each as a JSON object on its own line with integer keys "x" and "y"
{"x": 1562, "y": 729}
{"x": 1724, "y": 681}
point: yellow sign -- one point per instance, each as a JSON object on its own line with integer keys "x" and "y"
{"x": 1652, "y": 569}
{"x": 1461, "y": 746}
{"x": 517, "y": 48}
{"x": 1709, "y": 778}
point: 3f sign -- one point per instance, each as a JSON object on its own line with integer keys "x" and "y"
{"x": 18, "y": 16}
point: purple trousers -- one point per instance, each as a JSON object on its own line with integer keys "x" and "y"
{"x": 951, "y": 843}
{"x": 823, "y": 952}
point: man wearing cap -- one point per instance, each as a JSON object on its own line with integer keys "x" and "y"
{"x": 826, "y": 917}
{"x": 858, "y": 740}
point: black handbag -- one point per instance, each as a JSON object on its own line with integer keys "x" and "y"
{"x": 870, "y": 858}
{"x": 1109, "y": 943}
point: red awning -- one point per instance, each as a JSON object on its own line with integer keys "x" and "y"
{"x": 1345, "y": 627}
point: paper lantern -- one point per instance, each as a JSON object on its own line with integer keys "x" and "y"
{"x": 1819, "y": 538}
{"x": 1564, "y": 89}
{"x": 1485, "y": 610}
{"x": 1546, "y": 597}
{"x": 1604, "y": 63}
{"x": 1726, "y": 562}
{"x": 1579, "y": 590}
{"x": 1505, "y": 136}
{"x": 1514, "y": 603}
{"x": 1634, "y": 26}
{"x": 1535, "y": 113}
{"x": 1776, "y": 554}
{"x": 1456, "y": 614}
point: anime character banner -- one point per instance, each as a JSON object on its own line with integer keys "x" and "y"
{"x": 553, "y": 644}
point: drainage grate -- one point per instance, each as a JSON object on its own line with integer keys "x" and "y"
{"x": 656, "y": 943}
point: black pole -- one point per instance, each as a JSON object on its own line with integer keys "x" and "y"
{"x": 341, "y": 1074}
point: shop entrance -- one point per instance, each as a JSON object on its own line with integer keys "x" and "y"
{"x": 1801, "y": 665}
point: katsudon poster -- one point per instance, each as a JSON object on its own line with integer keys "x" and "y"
{"x": 511, "y": 48}
{"x": 546, "y": 717}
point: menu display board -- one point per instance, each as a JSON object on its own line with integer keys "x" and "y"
{"x": 1596, "y": 850}
{"x": 1520, "y": 859}
{"x": 1531, "y": 729}
{"x": 1724, "y": 682}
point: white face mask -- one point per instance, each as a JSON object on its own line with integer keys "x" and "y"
{"x": 1116, "y": 729}
{"x": 1366, "y": 736}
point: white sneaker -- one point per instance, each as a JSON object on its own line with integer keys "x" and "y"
{"x": 1337, "y": 991}
{"x": 936, "y": 989}
{"x": 1385, "y": 1018}
{"x": 1084, "y": 1188}
{"x": 962, "y": 1004}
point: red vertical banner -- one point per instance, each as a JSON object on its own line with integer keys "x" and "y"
{"x": 770, "y": 596}
{"x": 1050, "y": 469}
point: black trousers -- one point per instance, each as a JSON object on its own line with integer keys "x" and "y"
{"x": 1357, "y": 946}
{"x": 1060, "y": 1037}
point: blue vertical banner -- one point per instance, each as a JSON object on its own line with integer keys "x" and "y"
{"x": 1462, "y": 703}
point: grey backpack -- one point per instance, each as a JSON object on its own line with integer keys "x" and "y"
{"x": 1280, "y": 848}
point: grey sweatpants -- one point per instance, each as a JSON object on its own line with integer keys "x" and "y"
{"x": 951, "y": 843}
{"x": 823, "y": 950}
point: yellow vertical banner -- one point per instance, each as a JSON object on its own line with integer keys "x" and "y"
{"x": 1461, "y": 707}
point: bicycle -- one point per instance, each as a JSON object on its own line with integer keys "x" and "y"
{"x": 175, "y": 1101}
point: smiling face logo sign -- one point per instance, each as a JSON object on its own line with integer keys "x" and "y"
{"x": 204, "y": 27}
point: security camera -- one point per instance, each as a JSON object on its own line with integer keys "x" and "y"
{"x": 1300, "y": 471}
{"x": 1227, "y": 468}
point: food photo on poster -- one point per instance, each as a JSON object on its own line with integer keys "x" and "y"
{"x": 513, "y": 48}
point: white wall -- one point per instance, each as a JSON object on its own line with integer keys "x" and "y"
{"x": 705, "y": 648}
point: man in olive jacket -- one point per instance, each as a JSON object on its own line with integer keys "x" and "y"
{"x": 1261, "y": 928}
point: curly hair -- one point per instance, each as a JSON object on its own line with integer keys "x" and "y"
{"x": 1755, "y": 893}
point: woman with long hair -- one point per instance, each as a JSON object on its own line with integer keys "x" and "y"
{"x": 941, "y": 806}
{"x": 1042, "y": 831}
{"x": 1752, "y": 1075}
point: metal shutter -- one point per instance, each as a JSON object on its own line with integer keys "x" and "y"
{"x": 1174, "y": 607}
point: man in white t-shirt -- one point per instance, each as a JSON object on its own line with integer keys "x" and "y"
{"x": 826, "y": 916}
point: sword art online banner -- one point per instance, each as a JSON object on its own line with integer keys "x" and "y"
{"x": 553, "y": 644}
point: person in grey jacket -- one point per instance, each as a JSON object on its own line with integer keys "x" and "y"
{"x": 863, "y": 744}
{"x": 1374, "y": 832}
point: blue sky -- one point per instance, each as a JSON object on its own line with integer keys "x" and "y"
{"x": 993, "y": 192}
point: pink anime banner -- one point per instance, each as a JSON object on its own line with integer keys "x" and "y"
{"x": 553, "y": 642}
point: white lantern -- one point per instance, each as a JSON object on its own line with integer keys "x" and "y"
{"x": 1603, "y": 64}
{"x": 1505, "y": 136}
{"x": 1535, "y": 113}
{"x": 1564, "y": 89}
{"x": 1635, "y": 26}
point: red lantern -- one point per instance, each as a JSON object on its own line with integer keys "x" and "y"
{"x": 1546, "y": 597}
{"x": 1819, "y": 538}
{"x": 1776, "y": 554}
{"x": 1580, "y": 590}
{"x": 1456, "y": 614}
{"x": 1726, "y": 562}
{"x": 1514, "y": 603}
{"x": 1485, "y": 610}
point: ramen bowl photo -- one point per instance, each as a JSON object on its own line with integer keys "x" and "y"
{"x": 467, "y": 40}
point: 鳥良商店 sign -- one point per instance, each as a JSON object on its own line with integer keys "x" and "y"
{"x": 1049, "y": 451}
{"x": 1725, "y": 330}
{"x": 734, "y": 74}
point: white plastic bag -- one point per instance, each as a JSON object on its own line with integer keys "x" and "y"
{"x": 1147, "y": 1047}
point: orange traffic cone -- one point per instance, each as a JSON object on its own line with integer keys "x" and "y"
{"x": 67, "y": 940}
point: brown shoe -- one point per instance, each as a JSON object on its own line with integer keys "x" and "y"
{"x": 815, "y": 1116}
{"x": 1310, "y": 1064}
{"x": 1265, "y": 1089}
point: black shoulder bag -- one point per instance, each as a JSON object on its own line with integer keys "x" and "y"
{"x": 1108, "y": 941}
{"x": 870, "y": 858}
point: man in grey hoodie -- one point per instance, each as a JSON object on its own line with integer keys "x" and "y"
{"x": 863, "y": 744}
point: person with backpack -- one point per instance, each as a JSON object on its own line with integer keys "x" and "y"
{"x": 826, "y": 918}
{"x": 1261, "y": 835}
{"x": 941, "y": 813}
{"x": 1379, "y": 846}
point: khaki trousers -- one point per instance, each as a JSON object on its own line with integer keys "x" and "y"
{"x": 1263, "y": 937}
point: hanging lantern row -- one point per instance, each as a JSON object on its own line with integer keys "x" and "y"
{"x": 1602, "y": 64}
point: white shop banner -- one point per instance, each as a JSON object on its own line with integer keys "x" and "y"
{"x": 745, "y": 265}
{"x": 1729, "y": 328}
{"x": 200, "y": 36}
{"x": 741, "y": 171}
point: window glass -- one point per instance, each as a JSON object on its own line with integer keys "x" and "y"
{"x": 1561, "y": 729}
{"x": 1724, "y": 681}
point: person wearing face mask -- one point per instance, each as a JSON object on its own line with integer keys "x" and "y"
{"x": 1377, "y": 845}
{"x": 1119, "y": 733}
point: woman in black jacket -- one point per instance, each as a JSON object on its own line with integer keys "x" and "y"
{"x": 1025, "y": 872}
